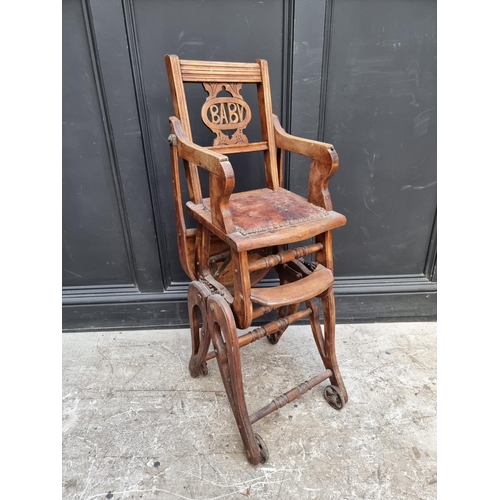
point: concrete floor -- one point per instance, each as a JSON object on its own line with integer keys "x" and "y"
{"x": 137, "y": 426}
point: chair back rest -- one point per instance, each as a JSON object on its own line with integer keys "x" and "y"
{"x": 228, "y": 113}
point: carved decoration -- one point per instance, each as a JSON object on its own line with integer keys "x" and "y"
{"x": 226, "y": 113}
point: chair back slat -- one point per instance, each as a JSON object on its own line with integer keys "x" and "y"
{"x": 209, "y": 71}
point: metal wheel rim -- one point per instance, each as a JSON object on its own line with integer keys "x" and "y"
{"x": 264, "y": 453}
{"x": 334, "y": 397}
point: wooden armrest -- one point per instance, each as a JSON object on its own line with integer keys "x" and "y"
{"x": 320, "y": 151}
{"x": 221, "y": 176}
{"x": 324, "y": 163}
{"x": 215, "y": 163}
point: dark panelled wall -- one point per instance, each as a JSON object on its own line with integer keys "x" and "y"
{"x": 360, "y": 74}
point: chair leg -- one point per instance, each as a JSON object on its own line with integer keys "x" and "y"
{"x": 335, "y": 394}
{"x": 225, "y": 340}
{"x": 198, "y": 294}
{"x": 283, "y": 312}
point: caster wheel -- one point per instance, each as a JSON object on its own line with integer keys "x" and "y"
{"x": 203, "y": 369}
{"x": 272, "y": 339}
{"x": 264, "y": 454}
{"x": 334, "y": 397}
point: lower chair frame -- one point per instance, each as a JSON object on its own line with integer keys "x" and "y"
{"x": 212, "y": 321}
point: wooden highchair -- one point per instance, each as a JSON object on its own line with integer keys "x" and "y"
{"x": 240, "y": 237}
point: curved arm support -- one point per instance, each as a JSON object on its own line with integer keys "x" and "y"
{"x": 324, "y": 163}
{"x": 220, "y": 170}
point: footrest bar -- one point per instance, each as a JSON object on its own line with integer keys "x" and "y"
{"x": 268, "y": 329}
{"x": 289, "y": 396}
{"x": 306, "y": 288}
{"x": 272, "y": 327}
